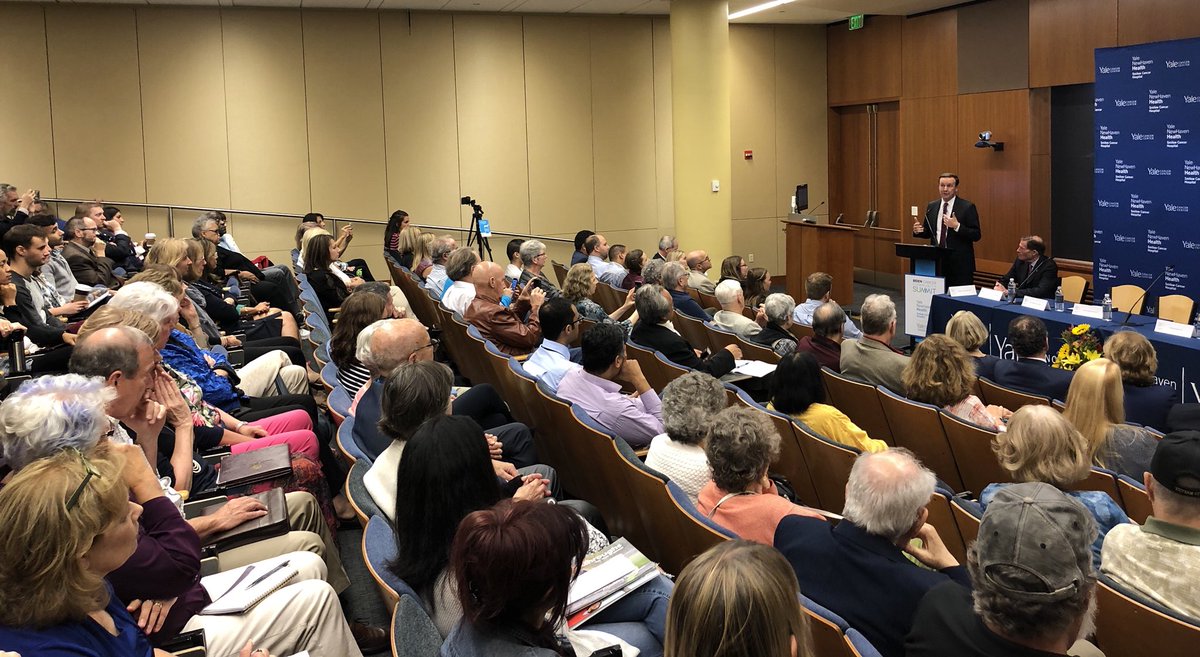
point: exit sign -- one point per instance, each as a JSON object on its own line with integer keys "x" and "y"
{"x": 856, "y": 22}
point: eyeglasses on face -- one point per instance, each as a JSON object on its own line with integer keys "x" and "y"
{"x": 433, "y": 344}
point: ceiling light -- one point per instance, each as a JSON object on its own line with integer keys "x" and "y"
{"x": 757, "y": 8}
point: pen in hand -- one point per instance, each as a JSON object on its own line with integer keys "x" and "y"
{"x": 267, "y": 574}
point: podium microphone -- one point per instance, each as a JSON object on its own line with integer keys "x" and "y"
{"x": 1129, "y": 313}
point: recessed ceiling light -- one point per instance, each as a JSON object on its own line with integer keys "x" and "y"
{"x": 757, "y": 8}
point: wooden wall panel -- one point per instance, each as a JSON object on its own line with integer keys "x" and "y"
{"x": 622, "y": 73}
{"x": 865, "y": 65}
{"x": 930, "y": 55}
{"x": 664, "y": 166}
{"x": 993, "y": 46}
{"x": 490, "y": 82}
{"x": 1144, "y": 21}
{"x": 998, "y": 183}
{"x": 800, "y": 120}
{"x": 265, "y": 110}
{"x": 558, "y": 89}
{"x": 752, "y": 94}
{"x": 344, "y": 92}
{"x": 96, "y": 103}
{"x": 27, "y": 159}
{"x": 420, "y": 106}
{"x": 1062, "y": 37}
{"x": 928, "y": 146}
{"x": 181, "y": 87}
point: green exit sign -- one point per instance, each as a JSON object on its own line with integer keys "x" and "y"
{"x": 856, "y": 22}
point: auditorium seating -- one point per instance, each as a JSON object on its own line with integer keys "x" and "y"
{"x": 918, "y": 427}
{"x": 971, "y": 447}
{"x": 379, "y": 549}
{"x": 356, "y": 491}
{"x": 860, "y": 402}
{"x": 413, "y": 631}
{"x": 832, "y": 636}
{"x": 1134, "y": 498}
{"x": 941, "y": 517}
{"x": 1129, "y": 626}
{"x": 997, "y": 395}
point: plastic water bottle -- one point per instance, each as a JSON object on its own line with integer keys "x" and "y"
{"x": 1012, "y": 290}
{"x": 1059, "y": 304}
{"x": 1196, "y": 326}
{"x": 1107, "y": 308}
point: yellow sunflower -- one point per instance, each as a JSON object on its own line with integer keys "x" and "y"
{"x": 1080, "y": 329}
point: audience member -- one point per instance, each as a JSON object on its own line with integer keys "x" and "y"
{"x": 734, "y": 268}
{"x": 688, "y": 404}
{"x": 331, "y": 284}
{"x": 1042, "y": 446}
{"x": 941, "y": 373}
{"x": 581, "y": 253}
{"x": 436, "y": 279}
{"x": 797, "y": 390}
{"x": 872, "y": 358}
{"x": 776, "y": 334}
{"x": 617, "y": 271}
{"x": 633, "y": 262}
{"x": 825, "y": 344}
{"x": 56, "y": 270}
{"x": 654, "y": 331}
{"x": 560, "y": 332}
{"x": 867, "y": 555}
{"x": 1032, "y": 272}
{"x": 737, "y": 599}
{"x": 597, "y": 250}
{"x": 85, "y": 252}
{"x": 597, "y": 388}
{"x": 741, "y": 497}
{"x": 533, "y": 256}
{"x": 1033, "y": 584}
{"x": 578, "y": 288}
{"x": 698, "y": 264}
{"x": 666, "y": 244}
{"x": 819, "y": 286}
{"x": 1160, "y": 559}
{"x": 459, "y": 266}
{"x": 1030, "y": 372}
{"x": 652, "y": 272}
{"x": 1146, "y": 402}
{"x": 32, "y": 306}
{"x": 416, "y": 250}
{"x": 1095, "y": 406}
{"x": 118, "y": 246}
{"x": 275, "y": 285}
{"x": 756, "y": 287}
{"x": 675, "y": 281}
{"x": 968, "y": 330}
{"x": 730, "y": 317}
{"x": 15, "y": 208}
{"x": 504, "y": 326}
{"x": 357, "y": 267}
{"x": 359, "y": 311}
{"x": 397, "y": 223}
{"x": 513, "y": 250}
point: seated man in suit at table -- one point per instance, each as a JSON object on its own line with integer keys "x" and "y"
{"x": 872, "y": 358}
{"x": 1031, "y": 372}
{"x": 1035, "y": 274}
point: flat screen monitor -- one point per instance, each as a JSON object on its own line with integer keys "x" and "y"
{"x": 801, "y": 197}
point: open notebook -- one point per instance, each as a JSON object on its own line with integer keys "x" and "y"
{"x": 237, "y": 590}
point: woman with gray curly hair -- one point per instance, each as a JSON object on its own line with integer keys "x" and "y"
{"x": 741, "y": 446}
{"x": 688, "y": 403}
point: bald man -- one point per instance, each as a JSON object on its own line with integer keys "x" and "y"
{"x": 514, "y": 329}
{"x": 698, "y": 264}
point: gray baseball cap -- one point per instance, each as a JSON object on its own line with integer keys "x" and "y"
{"x": 1035, "y": 543}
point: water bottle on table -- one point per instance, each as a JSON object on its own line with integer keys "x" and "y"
{"x": 1107, "y": 307}
{"x": 1059, "y": 304}
{"x": 1012, "y": 290}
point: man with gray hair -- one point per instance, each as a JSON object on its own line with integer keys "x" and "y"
{"x": 275, "y": 285}
{"x": 777, "y": 308}
{"x": 14, "y": 208}
{"x": 825, "y": 344}
{"x": 533, "y": 261}
{"x": 872, "y": 358}
{"x": 458, "y": 271}
{"x": 84, "y": 252}
{"x": 654, "y": 331}
{"x": 865, "y": 556}
{"x": 818, "y": 287}
{"x": 439, "y": 253}
{"x": 730, "y": 317}
{"x": 1034, "y": 583}
{"x": 652, "y": 272}
{"x": 675, "y": 280}
{"x": 666, "y": 244}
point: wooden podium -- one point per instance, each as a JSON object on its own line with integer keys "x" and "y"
{"x": 820, "y": 247}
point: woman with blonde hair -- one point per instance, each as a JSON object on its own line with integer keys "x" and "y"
{"x": 415, "y": 246}
{"x": 1146, "y": 402}
{"x": 738, "y": 599}
{"x": 940, "y": 373}
{"x": 968, "y": 330}
{"x": 172, "y": 252}
{"x": 578, "y": 288}
{"x": 1096, "y": 407}
{"x": 1042, "y": 446}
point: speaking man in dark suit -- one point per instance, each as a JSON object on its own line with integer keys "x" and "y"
{"x": 1031, "y": 372}
{"x": 1034, "y": 273}
{"x": 953, "y": 223}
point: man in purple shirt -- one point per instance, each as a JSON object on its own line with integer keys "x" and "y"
{"x": 597, "y": 388}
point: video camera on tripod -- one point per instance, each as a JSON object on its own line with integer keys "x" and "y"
{"x": 480, "y": 231}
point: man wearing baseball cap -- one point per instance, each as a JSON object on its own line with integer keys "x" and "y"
{"x": 1034, "y": 583}
{"x": 1161, "y": 559}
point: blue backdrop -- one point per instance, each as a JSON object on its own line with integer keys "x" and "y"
{"x": 1148, "y": 167}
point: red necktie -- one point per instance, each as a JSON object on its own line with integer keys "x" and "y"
{"x": 942, "y": 237}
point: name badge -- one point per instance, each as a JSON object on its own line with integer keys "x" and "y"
{"x": 962, "y": 290}
{"x": 1034, "y": 303}
{"x": 1091, "y": 312}
{"x": 991, "y": 294}
{"x": 1173, "y": 328}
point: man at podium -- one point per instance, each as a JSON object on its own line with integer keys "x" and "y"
{"x": 953, "y": 223}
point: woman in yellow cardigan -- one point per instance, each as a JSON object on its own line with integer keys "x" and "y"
{"x": 797, "y": 390}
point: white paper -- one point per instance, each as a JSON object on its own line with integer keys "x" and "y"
{"x": 1034, "y": 303}
{"x": 991, "y": 294}
{"x": 1173, "y": 328}
{"x": 962, "y": 290}
{"x": 1084, "y": 310}
{"x": 616, "y": 568}
{"x": 754, "y": 368}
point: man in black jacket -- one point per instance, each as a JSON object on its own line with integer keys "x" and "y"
{"x": 953, "y": 223}
{"x": 28, "y": 250}
{"x": 274, "y": 285}
{"x": 1034, "y": 274}
{"x": 653, "y": 331}
{"x": 1031, "y": 372}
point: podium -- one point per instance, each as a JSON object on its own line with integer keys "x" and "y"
{"x": 923, "y": 259}
{"x": 820, "y": 247}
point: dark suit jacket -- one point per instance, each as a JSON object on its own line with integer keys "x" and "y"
{"x": 985, "y": 367}
{"x": 1041, "y": 282}
{"x": 678, "y": 351}
{"x": 684, "y": 303}
{"x": 862, "y": 578}
{"x": 959, "y": 265}
{"x": 87, "y": 268}
{"x": 1034, "y": 377}
{"x": 1149, "y": 405}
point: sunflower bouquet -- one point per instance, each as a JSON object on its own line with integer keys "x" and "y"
{"x": 1080, "y": 344}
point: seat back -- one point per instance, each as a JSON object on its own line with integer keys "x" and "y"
{"x": 828, "y": 630}
{"x": 329, "y": 377}
{"x": 860, "y": 402}
{"x": 967, "y": 515}
{"x": 552, "y": 443}
{"x": 413, "y": 631}
{"x": 688, "y": 533}
{"x": 829, "y": 465}
{"x": 719, "y": 338}
{"x": 586, "y": 325}
{"x": 800, "y": 331}
{"x": 592, "y": 446}
{"x": 1134, "y": 498}
{"x": 560, "y": 271}
{"x": 941, "y": 516}
{"x": 791, "y": 463}
{"x": 347, "y": 445}
{"x": 971, "y": 446}
{"x": 692, "y": 330}
{"x": 994, "y": 393}
{"x": 356, "y": 492}
{"x": 1176, "y": 307}
{"x": 649, "y": 364}
{"x": 1074, "y": 288}
{"x": 503, "y": 378}
{"x": 609, "y": 297}
{"x": 1128, "y": 298}
{"x": 708, "y": 300}
{"x": 339, "y": 404}
{"x": 379, "y": 548}
{"x": 752, "y": 351}
{"x": 1128, "y": 627}
{"x": 918, "y": 427}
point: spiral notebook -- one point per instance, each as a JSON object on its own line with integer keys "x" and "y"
{"x": 245, "y": 587}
